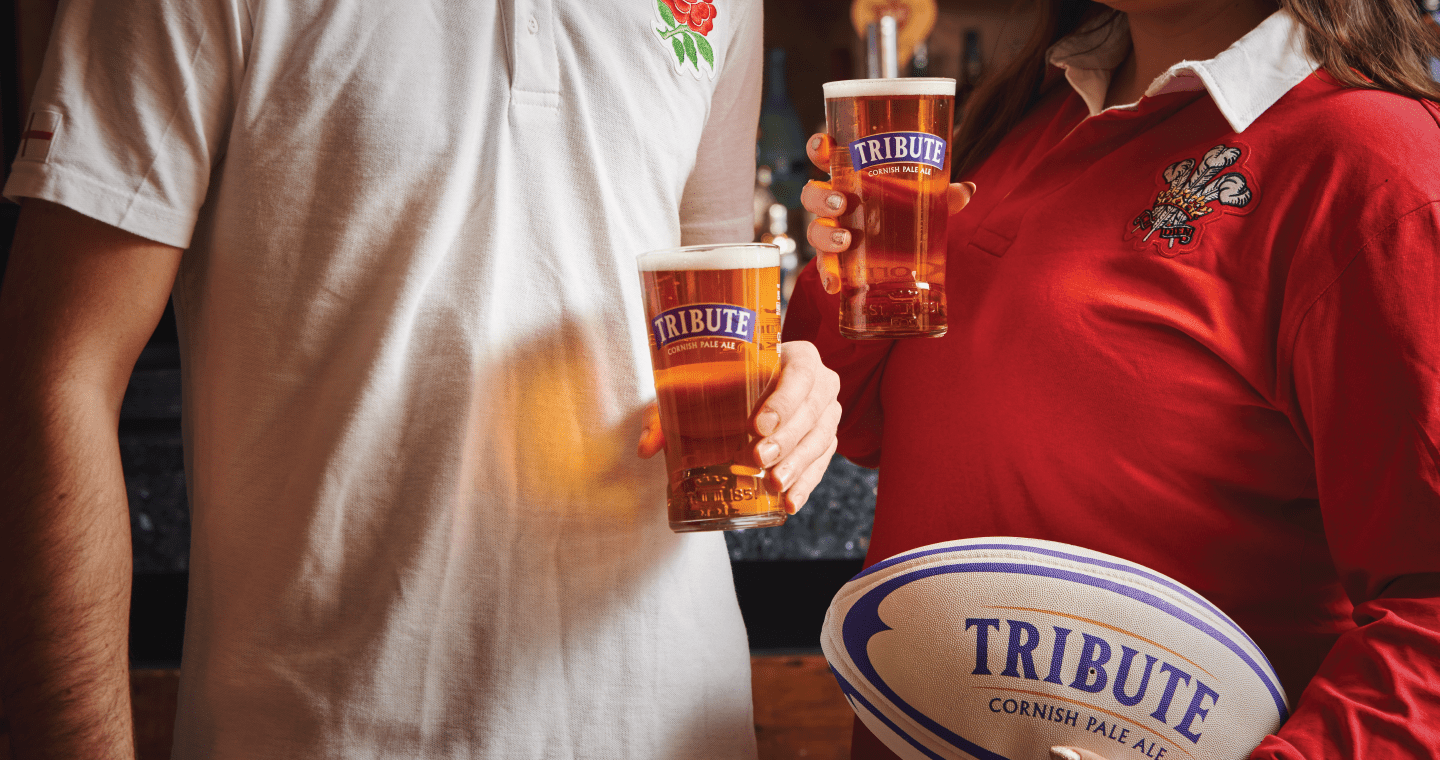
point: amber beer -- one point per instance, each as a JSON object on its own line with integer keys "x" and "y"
{"x": 892, "y": 154}
{"x": 713, "y": 314}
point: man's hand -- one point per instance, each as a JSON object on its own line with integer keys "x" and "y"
{"x": 822, "y": 200}
{"x": 796, "y": 425}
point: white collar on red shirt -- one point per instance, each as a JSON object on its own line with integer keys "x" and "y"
{"x": 1244, "y": 80}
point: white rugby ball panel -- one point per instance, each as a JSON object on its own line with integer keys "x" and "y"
{"x": 994, "y": 648}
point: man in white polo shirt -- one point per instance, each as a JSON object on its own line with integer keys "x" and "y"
{"x": 414, "y": 373}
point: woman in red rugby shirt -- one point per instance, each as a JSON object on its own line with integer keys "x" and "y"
{"x": 1242, "y": 395}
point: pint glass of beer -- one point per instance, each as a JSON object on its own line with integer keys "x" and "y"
{"x": 714, "y": 323}
{"x": 891, "y": 152}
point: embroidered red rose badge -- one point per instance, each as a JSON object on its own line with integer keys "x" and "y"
{"x": 686, "y": 23}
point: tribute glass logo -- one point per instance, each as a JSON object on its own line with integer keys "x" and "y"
{"x": 701, "y": 320}
{"x": 897, "y": 148}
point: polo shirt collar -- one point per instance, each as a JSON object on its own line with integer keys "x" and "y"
{"x": 1244, "y": 80}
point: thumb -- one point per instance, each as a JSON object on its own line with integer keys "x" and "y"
{"x": 958, "y": 195}
{"x": 1073, "y": 753}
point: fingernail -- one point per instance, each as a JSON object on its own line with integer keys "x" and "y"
{"x": 768, "y": 451}
{"x": 835, "y": 201}
{"x": 767, "y": 422}
{"x": 840, "y": 237}
{"x": 971, "y": 187}
{"x": 1063, "y": 753}
{"x": 815, "y": 142}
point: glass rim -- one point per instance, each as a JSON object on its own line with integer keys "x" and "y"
{"x": 893, "y": 86}
{"x": 710, "y": 256}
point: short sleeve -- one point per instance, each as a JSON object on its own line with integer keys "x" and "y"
{"x": 718, "y": 204}
{"x": 132, "y": 111}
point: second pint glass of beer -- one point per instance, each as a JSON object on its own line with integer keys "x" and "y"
{"x": 714, "y": 323}
{"x": 891, "y": 152}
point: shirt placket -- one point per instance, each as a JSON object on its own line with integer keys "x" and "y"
{"x": 534, "y": 63}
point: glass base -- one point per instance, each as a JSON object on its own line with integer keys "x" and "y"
{"x": 725, "y": 496}
{"x": 873, "y": 334}
{"x": 738, "y": 522}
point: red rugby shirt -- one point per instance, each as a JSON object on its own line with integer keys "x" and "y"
{"x": 1245, "y": 397}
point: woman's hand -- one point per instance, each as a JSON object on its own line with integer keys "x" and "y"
{"x": 822, "y": 200}
{"x": 795, "y": 425}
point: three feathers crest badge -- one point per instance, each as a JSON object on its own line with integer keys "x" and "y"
{"x": 682, "y": 27}
{"x": 1194, "y": 197}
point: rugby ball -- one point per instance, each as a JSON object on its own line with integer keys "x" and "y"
{"x": 999, "y": 648}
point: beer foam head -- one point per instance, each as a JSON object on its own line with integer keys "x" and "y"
{"x": 750, "y": 256}
{"x": 903, "y": 87}
{"x": 1003, "y": 647}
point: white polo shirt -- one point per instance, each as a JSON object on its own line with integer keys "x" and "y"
{"x": 414, "y": 359}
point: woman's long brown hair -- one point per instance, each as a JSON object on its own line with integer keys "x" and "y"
{"x": 1370, "y": 44}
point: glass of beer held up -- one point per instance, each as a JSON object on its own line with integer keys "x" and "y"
{"x": 714, "y": 323}
{"x": 891, "y": 152}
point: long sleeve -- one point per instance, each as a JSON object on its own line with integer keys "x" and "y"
{"x": 1366, "y": 368}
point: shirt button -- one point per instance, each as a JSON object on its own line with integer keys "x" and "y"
{"x": 532, "y": 25}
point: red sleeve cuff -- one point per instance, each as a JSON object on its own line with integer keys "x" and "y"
{"x": 1376, "y": 696}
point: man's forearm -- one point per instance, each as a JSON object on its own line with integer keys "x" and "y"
{"x": 78, "y": 302}
{"x": 65, "y": 561}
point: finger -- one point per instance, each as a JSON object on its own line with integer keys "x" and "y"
{"x": 1073, "y": 753}
{"x": 799, "y": 404}
{"x": 652, "y": 438}
{"x": 828, "y": 239}
{"x": 818, "y": 148}
{"x": 823, "y": 200}
{"x": 801, "y": 442}
{"x": 793, "y": 474}
{"x": 828, "y": 265}
{"x": 799, "y": 493}
{"x": 828, "y": 236}
{"x": 800, "y": 369}
{"x": 959, "y": 195}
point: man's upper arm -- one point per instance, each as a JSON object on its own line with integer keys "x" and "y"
{"x": 719, "y": 196}
{"x": 80, "y": 299}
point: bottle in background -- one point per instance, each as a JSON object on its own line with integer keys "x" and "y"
{"x": 972, "y": 67}
{"x": 920, "y": 60}
{"x": 763, "y": 200}
{"x": 782, "y": 140}
{"x": 778, "y": 220}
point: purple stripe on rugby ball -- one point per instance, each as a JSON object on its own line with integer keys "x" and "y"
{"x": 1160, "y": 579}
